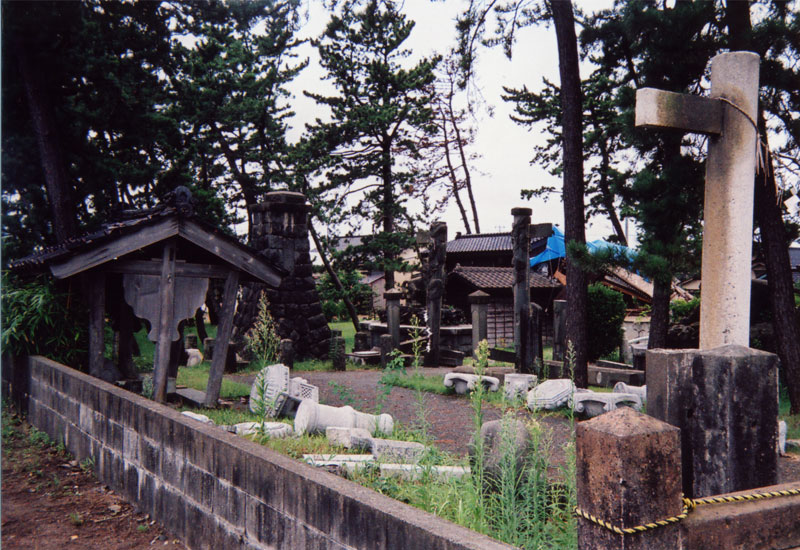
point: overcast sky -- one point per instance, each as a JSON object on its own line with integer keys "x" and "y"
{"x": 506, "y": 148}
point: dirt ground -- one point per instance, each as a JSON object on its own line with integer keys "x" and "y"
{"x": 50, "y": 501}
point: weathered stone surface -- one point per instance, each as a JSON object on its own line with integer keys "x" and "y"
{"x": 593, "y": 404}
{"x": 271, "y": 381}
{"x": 628, "y": 473}
{"x": 361, "y": 341}
{"x": 479, "y": 308}
{"x": 385, "y": 348}
{"x": 551, "y": 394}
{"x": 287, "y": 353}
{"x": 412, "y": 471}
{"x": 391, "y": 450}
{"x": 196, "y": 416}
{"x": 783, "y": 429}
{"x": 277, "y": 430}
{"x": 607, "y": 377}
{"x": 517, "y": 385}
{"x": 301, "y": 389}
{"x": 190, "y": 341}
{"x": 349, "y": 438}
{"x": 463, "y": 383}
{"x": 337, "y": 353}
{"x": 501, "y": 438}
{"x": 392, "y": 298}
{"x": 733, "y": 433}
{"x": 520, "y": 243}
{"x": 315, "y": 418}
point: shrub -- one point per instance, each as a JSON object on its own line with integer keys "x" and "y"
{"x": 606, "y": 314}
{"x": 40, "y": 319}
{"x": 681, "y": 309}
{"x": 262, "y": 340}
{"x": 333, "y": 306}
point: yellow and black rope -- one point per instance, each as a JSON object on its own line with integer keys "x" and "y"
{"x": 688, "y": 506}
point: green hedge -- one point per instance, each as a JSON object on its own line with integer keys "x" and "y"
{"x": 606, "y": 314}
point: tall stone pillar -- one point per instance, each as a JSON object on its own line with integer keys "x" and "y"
{"x": 479, "y": 304}
{"x": 435, "y": 290}
{"x": 279, "y": 231}
{"x": 521, "y": 243}
{"x": 559, "y": 329}
{"x": 392, "y": 298}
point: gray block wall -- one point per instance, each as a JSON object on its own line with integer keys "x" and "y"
{"x": 213, "y": 489}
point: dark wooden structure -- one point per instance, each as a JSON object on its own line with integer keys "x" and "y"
{"x": 163, "y": 260}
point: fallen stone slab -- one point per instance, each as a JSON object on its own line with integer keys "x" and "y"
{"x": 593, "y": 404}
{"x": 316, "y": 418}
{"x": 276, "y": 430}
{"x": 641, "y": 391}
{"x": 392, "y": 450}
{"x": 336, "y": 460}
{"x": 518, "y": 385}
{"x": 344, "y": 437}
{"x": 551, "y": 394}
{"x": 463, "y": 383}
{"x": 607, "y": 377}
{"x": 199, "y": 417}
{"x": 411, "y": 472}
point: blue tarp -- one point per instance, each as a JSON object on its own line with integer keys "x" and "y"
{"x": 556, "y": 249}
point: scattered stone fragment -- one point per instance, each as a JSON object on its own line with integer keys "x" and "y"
{"x": 593, "y": 404}
{"x": 336, "y": 460}
{"x": 299, "y": 388}
{"x": 199, "y": 417}
{"x": 276, "y": 430}
{"x": 271, "y": 382}
{"x": 412, "y": 471}
{"x": 551, "y": 394}
{"x": 344, "y": 437}
{"x": 463, "y": 382}
{"x": 316, "y": 418}
{"x": 392, "y": 450}
{"x": 501, "y": 437}
{"x": 194, "y": 357}
{"x": 517, "y": 385}
{"x": 641, "y": 391}
{"x": 783, "y": 429}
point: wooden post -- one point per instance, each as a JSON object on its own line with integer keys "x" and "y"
{"x": 223, "y": 338}
{"x": 537, "y": 351}
{"x": 559, "y": 329}
{"x": 479, "y": 304}
{"x": 521, "y": 243}
{"x": 392, "y": 298}
{"x": 166, "y": 291}
{"x": 435, "y": 291}
{"x": 97, "y": 308}
{"x": 628, "y": 474}
{"x": 728, "y": 117}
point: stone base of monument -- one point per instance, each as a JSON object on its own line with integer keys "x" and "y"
{"x": 315, "y": 418}
{"x": 349, "y": 438}
{"x": 551, "y": 394}
{"x": 463, "y": 383}
{"x": 591, "y": 404}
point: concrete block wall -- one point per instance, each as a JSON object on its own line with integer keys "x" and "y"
{"x": 213, "y": 489}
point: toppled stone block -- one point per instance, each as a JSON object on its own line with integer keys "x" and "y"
{"x": 641, "y": 391}
{"x": 193, "y": 357}
{"x": 199, "y": 417}
{"x": 301, "y": 389}
{"x": 268, "y": 385}
{"x": 551, "y": 394}
{"x": 345, "y": 437}
{"x": 336, "y": 460}
{"x": 518, "y": 385}
{"x": 316, "y": 418}
{"x": 286, "y": 406}
{"x": 277, "y": 430}
{"x": 463, "y": 383}
{"x": 392, "y": 450}
{"x": 593, "y": 404}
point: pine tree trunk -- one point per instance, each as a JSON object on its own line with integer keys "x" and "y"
{"x": 659, "y": 315}
{"x": 388, "y": 210}
{"x": 574, "y": 231}
{"x": 351, "y": 310}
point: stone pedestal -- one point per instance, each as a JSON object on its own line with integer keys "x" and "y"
{"x": 385, "y": 348}
{"x": 628, "y": 474}
{"x": 479, "y": 304}
{"x": 393, "y": 315}
{"x": 315, "y": 418}
{"x": 559, "y": 329}
{"x": 280, "y": 234}
{"x": 361, "y": 341}
{"x": 337, "y": 353}
{"x": 190, "y": 341}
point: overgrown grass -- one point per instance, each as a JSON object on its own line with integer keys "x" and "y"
{"x": 144, "y": 361}
{"x": 197, "y": 378}
{"x": 226, "y": 417}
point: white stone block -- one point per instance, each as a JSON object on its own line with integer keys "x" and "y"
{"x": 272, "y": 380}
{"x": 622, "y": 387}
{"x": 412, "y": 471}
{"x": 336, "y": 460}
{"x": 316, "y": 418}
{"x": 464, "y": 382}
{"x": 348, "y": 437}
{"x": 275, "y": 430}
{"x": 392, "y": 450}
{"x": 195, "y": 357}
{"x": 596, "y": 403}
{"x": 199, "y": 417}
{"x": 551, "y": 394}
{"x": 301, "y": 389}
{"x": 517, "y": 385}
{"x": 783, "y": 429}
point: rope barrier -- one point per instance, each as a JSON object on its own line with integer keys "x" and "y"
{"x": 688, "y": 506}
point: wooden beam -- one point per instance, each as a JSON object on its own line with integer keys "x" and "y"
{"x": 223, "y": 337}
{"x": 688, "y": 113}
{"x": 167, "y": 295}
{"x": 115, "y": 248}
{"x": 231, "y": 253}
{"x": 97, "y": 307}
{"x": 153, "y": 267}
